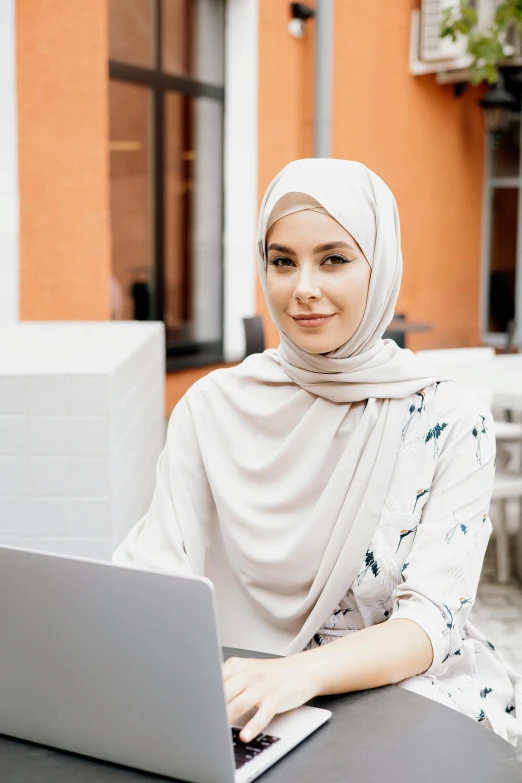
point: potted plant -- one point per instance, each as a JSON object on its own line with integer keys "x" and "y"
{"x": 487, "y": 47}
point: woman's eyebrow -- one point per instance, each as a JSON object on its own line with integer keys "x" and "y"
{"x": 332, "y": 246}
{"x": 281, "y": 248}
{"x": 319, "y": 249}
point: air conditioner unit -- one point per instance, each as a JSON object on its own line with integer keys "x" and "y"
{"x": 485, "y": 11}
{"x": 432, "y": 46}
{"x": 428, "y": 52}
{"x": 449, "y": 59}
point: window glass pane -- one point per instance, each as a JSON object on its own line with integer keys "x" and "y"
{"x": 131, "y": 200}
{"x": 131, "y": 31}
{"x": 193, "y": 218}
{"x": 503, "y": 258}
{"x": 506, "y": 151}
{"x": 192, "y": 39}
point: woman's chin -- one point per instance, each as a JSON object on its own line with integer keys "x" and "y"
{"x": 315, "y": 345}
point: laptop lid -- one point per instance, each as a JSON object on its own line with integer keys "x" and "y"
{"x": 111, "y": 662}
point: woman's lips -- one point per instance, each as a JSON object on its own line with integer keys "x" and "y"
{"x": 311, "y": 323}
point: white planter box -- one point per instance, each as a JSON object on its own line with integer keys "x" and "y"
{"x": 81, "y": 428}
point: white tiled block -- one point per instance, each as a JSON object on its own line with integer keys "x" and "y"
{"x": 48, "y": 516}
{"x": 123, "y": 416}
{"x": 14, "y": 515}
{"x": 13, "y": 395}
{"x": 48, "y": 395}
{"x": 13, "y": 475}
{"x": 24, "y": 516}
{"x": 49, "y": 476}
{"x": 91, "y": 517}
{"x": 48, "y": 435}
{"x": 58, "y": 546}
{"x": 89, "y": 436}
{"x": 112, "y": 392}
{"x": 89, "y": 395}
{"x": 123, "y": 378}
{"x": 157, "y": 402}
{"x": 90, "y": 476}
{"x": 121, "y": 527}
{"x": 13, "y": 434}
{"x": 92, "y": 548}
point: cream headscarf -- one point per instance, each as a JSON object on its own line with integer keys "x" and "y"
{"x": 275, "y": 471}
{"x": 358, "y": 199}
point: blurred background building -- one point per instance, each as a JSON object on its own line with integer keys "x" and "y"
{"x": 137, "y": 138}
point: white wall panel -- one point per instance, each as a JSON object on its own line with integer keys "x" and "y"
{"x": 241, "y": 164}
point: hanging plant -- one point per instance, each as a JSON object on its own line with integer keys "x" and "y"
{"x": 486, "y": 47}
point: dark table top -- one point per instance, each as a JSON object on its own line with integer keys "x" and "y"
{"x": 384, "y": 734}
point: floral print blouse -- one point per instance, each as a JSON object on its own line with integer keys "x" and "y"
{"x": 426, "y": 555}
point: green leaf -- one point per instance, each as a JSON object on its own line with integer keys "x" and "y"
{"x": 484, "y": 47}
{"x": 491, "y": 74}
{"x": 446, "y": 16}
{"x": 462, "y": 26}
{"x": 470, "y": 14}
{"x": 448, "y": 32}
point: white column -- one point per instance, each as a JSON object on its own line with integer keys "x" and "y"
{"x": 9, "y": 217}
{"x": 207, "y": 204}
{"x": 241, "y": 69}
{"x": 324, "y": 35}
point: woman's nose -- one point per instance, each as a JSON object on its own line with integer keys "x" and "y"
{"x": 307, "y": 287}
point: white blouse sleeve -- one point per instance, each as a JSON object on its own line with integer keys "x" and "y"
{"x": 441, "y": 575}
{"x": 172, "y": 535}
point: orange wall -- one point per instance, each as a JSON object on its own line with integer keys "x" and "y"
{"x": 425, "y": 143}
{"x": 286, "y": 76}
{"x": 63, "y": 159}
{"x": 177, "y": 383}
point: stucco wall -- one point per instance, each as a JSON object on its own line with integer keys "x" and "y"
{"x": 62, "y": 84}
{"x": 424, "y": 142}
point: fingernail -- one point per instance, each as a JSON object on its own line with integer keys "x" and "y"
{"x": 247, "y": 735}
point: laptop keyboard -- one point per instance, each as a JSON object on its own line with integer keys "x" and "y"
{"x": 246, "y": 751}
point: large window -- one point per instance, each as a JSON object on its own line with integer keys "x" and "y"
{"x": 502, "y": 278}
{"x": 166, "y": 153}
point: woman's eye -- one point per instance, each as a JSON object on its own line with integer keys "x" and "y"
{"x": 335, "y": 260}
{"x": 281, "y": 261}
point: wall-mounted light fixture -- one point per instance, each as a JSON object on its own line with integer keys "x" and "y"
{"x": 300, "y": 13}
{"x": 496, "y": 106}
{"x": 323, "y": 12}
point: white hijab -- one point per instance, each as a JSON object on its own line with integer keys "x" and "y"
{"x": 365, "y": 366}
{"x": 291, "y": 453}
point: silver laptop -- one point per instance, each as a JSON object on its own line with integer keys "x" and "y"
{"x": 124, "y": 665}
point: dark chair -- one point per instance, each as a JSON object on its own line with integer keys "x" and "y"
{"x": 510, "y": 334}
{"x": 254, "y": 335}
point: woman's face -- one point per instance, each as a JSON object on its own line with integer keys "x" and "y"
{"x": 316, "y": 268}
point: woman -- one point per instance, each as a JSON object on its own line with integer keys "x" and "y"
{"x": 334, "y": 489}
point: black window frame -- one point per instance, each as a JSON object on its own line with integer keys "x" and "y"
{"x": 180, "y": 354}
{"x": 494, "y": 180}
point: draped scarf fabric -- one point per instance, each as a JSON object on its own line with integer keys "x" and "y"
{"x": 295, "y": 535}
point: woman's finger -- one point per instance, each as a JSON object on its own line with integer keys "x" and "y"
{"x": 259, "y": 722}
{"x": 231, "y": 667}
{"x": 247, "y": 700}
{"x": 234, "y": 686}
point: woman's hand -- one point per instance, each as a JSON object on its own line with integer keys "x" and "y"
{"x": 271, "y": 686}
